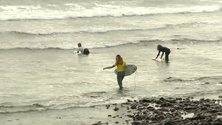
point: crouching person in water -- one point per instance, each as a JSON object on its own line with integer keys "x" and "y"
{"x": 163, "y": 50}
{"x": 120, "y": 70}
{"x": 82, "y": 50}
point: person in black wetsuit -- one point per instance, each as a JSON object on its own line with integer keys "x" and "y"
{"x": 163, "y": 50}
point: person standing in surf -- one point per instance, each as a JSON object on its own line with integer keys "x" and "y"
{"x": 163, "y": 50}
{"x": 82, "y": 50}
{"x": 120, "y": 70}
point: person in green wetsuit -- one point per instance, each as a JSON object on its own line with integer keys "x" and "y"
{"x": 120, "y": 63}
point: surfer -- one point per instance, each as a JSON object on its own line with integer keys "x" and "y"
{"x": 163, "y": 50}
{"x": 120, "y": 70}
{"x": 82, "y": 50}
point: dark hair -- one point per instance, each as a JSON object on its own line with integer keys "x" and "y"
{"x": 119, "y": 61}
{"x": 158, "y": 47}
{"x": 79, "y": 45}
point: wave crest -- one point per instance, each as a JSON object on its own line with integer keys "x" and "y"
{"x": 115, "y": 29}
{"x": 139, "y": 42}
{"x": 69, "y": 11}
{"x": 6, "y": 109}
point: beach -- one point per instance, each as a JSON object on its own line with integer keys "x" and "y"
{"x": 44, "y": 81}
{"x": 166, "y": 111}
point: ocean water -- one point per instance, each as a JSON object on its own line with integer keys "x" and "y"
{"x": 40, "y": 71}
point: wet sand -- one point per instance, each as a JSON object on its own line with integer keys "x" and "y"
{"x": 168, "y": 111}
{"x": 158, "y": 111}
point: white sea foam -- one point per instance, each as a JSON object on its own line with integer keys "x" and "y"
{"x": 98, "y": 10}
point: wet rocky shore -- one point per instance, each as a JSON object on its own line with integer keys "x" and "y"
{"x": 166, "y": 111}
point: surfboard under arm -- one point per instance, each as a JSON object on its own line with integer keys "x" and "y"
{"x": 129, "y": 69}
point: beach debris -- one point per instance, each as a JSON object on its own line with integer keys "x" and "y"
{"x": 107, "y": 106}
{"x": 171, "y": 111}
{"x": 116, "y": 109}
{"x": 100, "y": 123}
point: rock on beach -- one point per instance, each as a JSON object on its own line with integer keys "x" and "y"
{"x": 170, "y": 111}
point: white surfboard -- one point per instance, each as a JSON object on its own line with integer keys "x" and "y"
{"x": 158, "y": 60}
{"x": 129, "y": 69}
{"x": 76, "y": 52}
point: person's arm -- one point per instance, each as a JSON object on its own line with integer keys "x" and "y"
{"x": 109, "y": 67}
{"x": 162, "y": 55}
{"x": 78, "y": 50}
{"x": 157, "y": 55}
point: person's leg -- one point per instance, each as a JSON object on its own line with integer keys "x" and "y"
{"x": 120, "y": 76}
{"x": 123, "y": 75}
{"x": 167, "y": 57}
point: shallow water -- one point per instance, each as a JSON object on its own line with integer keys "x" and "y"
{"x": 40, "y": 71}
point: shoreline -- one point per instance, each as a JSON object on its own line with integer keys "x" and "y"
{"x": 169, "y": 111}
{"x": 205, "y": 109}
{"x": 158, "y": 111}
